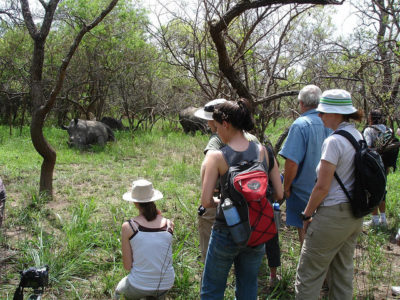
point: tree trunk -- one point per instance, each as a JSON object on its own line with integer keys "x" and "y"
{"x": 45, "y": 150}
{"x": 280, "y": 140}
{"x": 38, "y": 117}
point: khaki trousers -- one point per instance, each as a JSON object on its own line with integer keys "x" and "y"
{"x": 131, "y": 293}
{"x": 328, "y": 246}
{"x": 205, "y": 223}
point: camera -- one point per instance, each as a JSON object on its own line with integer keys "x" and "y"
{"x": 36, "y": 278}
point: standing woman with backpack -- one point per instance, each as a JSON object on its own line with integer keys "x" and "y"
{"x": 331, "y": 229}
{"x": 232, "y": 118}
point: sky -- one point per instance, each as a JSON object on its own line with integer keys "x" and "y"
{"x": 345, "y": 16}
{"x": 344, "y": 19}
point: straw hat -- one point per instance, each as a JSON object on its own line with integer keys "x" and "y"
{"x": 142, "y": 192}
{"x": 208, "y": 109}
{"x": 336, "y": 102}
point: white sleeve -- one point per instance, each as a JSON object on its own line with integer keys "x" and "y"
{"x": 330, "y": 150}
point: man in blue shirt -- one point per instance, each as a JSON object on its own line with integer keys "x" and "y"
{"x": 302, "y": 151}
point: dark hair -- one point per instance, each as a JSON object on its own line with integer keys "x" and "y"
{"x": 149, "y": 210}
{"x": 356, "y": 116}
{"x": 377, "y": 116}
{"x": 236, "y": 113}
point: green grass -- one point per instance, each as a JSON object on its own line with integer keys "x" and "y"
{"x": 78, "y": 233}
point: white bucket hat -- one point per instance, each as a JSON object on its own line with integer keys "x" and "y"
{"x": 142, "y": 192}
{"x": 336, "y": 102}
{"x": 208, "y": 109}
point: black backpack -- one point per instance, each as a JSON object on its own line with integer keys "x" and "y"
{"x": 370, "y": 178}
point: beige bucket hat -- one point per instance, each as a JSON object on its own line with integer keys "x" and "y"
{"x": 142, "y": 191}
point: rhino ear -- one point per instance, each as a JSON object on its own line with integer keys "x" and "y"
{"x": 76, "y": 121}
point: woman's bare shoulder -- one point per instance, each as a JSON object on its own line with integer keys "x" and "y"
{"x": 212, "y": 157}
{"x": 126, "y": 229}
{"x": 214, "y": 153}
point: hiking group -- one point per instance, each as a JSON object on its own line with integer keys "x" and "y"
{"x": 325, "y": 199}
{"x": 325, "y": 182}
{"x": 333, "y": 176}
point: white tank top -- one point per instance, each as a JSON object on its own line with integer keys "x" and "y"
{"x": 152, "y": 258}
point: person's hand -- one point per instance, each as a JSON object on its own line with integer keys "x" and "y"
{"x": 286, "y": 193}
{"x": 306, "y": 224}
{"x": 216, "y": 201}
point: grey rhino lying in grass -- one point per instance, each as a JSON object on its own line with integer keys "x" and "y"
{"x": 83, "y": 133}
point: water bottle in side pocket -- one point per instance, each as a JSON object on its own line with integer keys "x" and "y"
{"x": 238, "y": 229}
{"x": 277, "y": 215}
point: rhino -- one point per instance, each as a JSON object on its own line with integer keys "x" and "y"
{"x": 113, "y": 123}
{"x": 83, "y": 133}
{"x": 191, "y": 123}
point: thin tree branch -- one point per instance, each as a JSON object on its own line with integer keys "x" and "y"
{"x": 63, "y": 68}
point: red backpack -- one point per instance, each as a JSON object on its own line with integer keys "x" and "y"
{"x": 246, "y": 186}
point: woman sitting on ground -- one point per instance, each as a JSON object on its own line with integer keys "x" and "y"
{"x": 146, "y": 247}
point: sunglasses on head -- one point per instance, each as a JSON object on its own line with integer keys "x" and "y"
{"x": 209, "y": 108}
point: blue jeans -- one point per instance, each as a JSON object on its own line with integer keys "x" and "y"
{"x": 222, "y": 252}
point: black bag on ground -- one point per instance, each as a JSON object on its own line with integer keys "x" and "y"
{"x": 370, "y": 178}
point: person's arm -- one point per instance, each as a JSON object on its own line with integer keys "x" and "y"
{"x": 320, "y": 190}
{"x": 290, "y": 174}
{"x": 172, "y": 225}
{"x": 275, "y": 178}
{"x": 209, "y": 176}
{"x": 127, "y": 257}
{"x": 273, "y": 174}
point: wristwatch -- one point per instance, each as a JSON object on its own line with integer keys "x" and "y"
{"x": 304, "y": 217}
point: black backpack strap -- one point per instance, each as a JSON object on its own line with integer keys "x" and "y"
{"x": 349, "y": 137}
{"x": 356, "y": 146}
{"x": 271, "y": 158}
{"x": 342, "y": 186}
